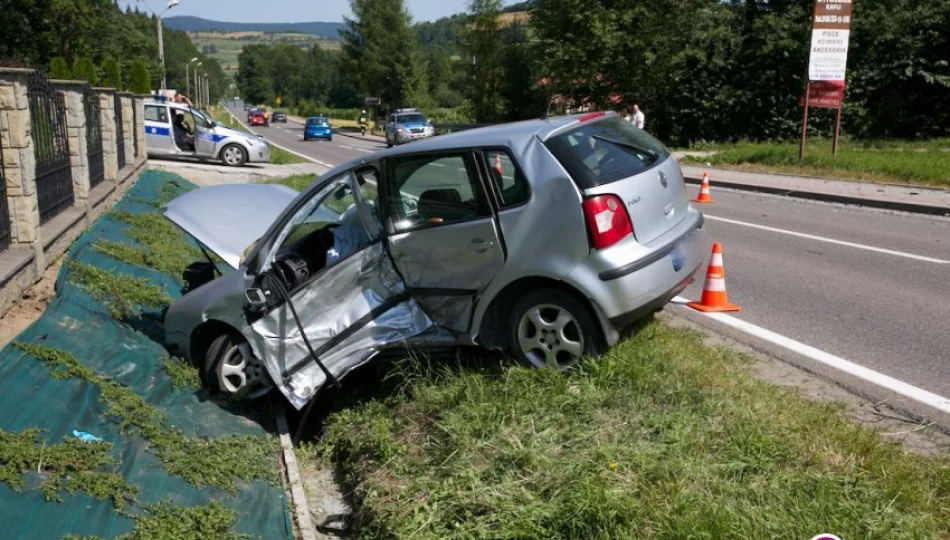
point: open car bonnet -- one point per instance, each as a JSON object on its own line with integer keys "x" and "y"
{"x": 228, "y": 218}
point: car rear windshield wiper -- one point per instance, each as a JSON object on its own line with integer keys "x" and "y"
{"x": 625, "y": 144}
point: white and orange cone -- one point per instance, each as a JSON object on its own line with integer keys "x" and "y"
{"x": 498, "y": 166}
{"x": 715, "y": 298}
{"x": 704, "y": 196}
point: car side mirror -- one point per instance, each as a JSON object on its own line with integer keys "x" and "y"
{"x": 255, "y": 301}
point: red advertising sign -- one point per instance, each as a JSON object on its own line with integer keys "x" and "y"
{"x": 824, "y": 94}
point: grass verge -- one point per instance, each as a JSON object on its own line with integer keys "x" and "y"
{"x": 923, "y": 163}
{"x": 279, "y": 156}
{"x": 298, "y": 182}
{"x": 71, "y": 465}
{"x": 220, "y": 462}
{"x": 663, "y": 437}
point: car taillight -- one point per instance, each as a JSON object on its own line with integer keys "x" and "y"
{"x": 607, "y": 220}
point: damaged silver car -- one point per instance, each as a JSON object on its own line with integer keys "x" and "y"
{"x": 544, "y": 238}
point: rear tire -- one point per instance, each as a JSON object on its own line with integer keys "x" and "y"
{"x": 554, "y": 329}
{"x": 233, "y": 155}
{"x": 229, "y": 367}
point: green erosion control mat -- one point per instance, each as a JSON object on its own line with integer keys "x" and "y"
{"x": 87, "y": 371}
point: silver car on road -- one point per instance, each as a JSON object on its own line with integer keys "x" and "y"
{"x": 544, "y": 238}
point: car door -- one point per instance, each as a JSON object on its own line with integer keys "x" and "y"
{"x": 206, "y": 139}
{"x": 351, "y": 304}
{"x": 158, "y": 130}
{"x": 442, "y": 232}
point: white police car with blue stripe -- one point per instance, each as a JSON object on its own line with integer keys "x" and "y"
{"x": 198, "y": 135}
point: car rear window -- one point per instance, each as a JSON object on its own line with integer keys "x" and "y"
{"x": 603, "y": 152}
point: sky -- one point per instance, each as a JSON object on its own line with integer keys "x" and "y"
{"x": 289, "y": 10}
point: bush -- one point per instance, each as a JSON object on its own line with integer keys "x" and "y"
{"x": 139, "y": 80}
{"x": 85, "y": 70}
{"x": 59, "y": 69}
{"x": 111, "y": 74}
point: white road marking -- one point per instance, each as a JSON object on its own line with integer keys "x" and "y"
{"x": 284, "y": 148}
{"x": 347, "y": 147}
{"x": 869, "y": 375}
{"x": 830, "y": 240}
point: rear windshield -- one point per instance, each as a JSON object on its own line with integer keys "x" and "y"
{"x": 602, "y": 152}
{"x": 316, "y": 121}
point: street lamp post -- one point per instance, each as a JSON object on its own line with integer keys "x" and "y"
{"x": 187, "y": 77}
{"x": 161, "y": 44}
{"x": 198, "y": 65}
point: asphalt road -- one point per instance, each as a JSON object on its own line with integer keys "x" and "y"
{"x": 870, "y": 286}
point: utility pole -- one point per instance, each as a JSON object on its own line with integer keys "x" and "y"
{"x": 188, "y": 77}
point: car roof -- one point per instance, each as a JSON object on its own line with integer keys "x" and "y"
{"x": 498, "y": 135}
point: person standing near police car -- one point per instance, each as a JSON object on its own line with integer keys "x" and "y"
{"x": 638, "y": 119}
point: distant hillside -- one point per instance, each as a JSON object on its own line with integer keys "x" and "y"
{"x": 327, "y": 30}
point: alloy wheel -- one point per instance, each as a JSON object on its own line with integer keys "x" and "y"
{"x": 550, "y": 336}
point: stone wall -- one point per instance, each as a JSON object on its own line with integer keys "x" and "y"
{"x": 35, "y": 246}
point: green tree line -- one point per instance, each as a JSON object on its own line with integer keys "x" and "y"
{"x": 702, "y": 70}
{"x": 95, "y": 40}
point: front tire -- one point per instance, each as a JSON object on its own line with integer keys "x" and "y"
{"x": 233, "y": 155}
{"x": 230, "y": 368}
{"x": 551, "y": 328}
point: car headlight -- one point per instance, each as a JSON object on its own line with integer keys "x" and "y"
{"x": 400, "y": 130}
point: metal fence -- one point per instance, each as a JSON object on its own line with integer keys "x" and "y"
{"x": 4, "y": 212}
{"x": 54, "y": 180}
{"x": 97, "y": 168}
{"x": 119, "y": 132}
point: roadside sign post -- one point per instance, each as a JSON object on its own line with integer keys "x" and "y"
{"x": 827, "y": 64}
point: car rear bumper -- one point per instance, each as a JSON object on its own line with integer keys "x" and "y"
{"x": 327, "y": 135}
{"x": 648, "y": 279}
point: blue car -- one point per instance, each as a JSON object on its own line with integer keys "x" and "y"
{"x": 317, "y": 127}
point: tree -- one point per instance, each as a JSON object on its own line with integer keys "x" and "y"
{"x": 112, "y": 74}
{"x": 58, "y": 69}
{"x": 483, "y": 44}
{"x": 380, "y": 52}
{"x": 139, "y": 80}
{"x": 253, "y": 77}
{"x": 85, "y": 70}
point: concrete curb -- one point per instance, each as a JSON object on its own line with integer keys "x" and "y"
{"x": 297, "y": 493}
{"x": 933, "y": 210}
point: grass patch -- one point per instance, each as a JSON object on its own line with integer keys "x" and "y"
{"x": 71, "y": 465}
{"x": 279, "y": 156}
{"x": 122, "y": 294}
{"x": 167, "y": 521}
{"x": 663, "y": 437}
{"x": 183, "y": 374}
{"x": 220, "y": 462}
{"x": 298, "y": 182}
{"x": 162, "y": 245}
{"x": 924, "y": 163}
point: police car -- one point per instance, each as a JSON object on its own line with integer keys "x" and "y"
{"x": 211, "y": 140}
{"x": 407, "y": 125}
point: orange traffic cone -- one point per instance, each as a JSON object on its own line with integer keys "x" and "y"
{"x": 704, "y": 196}
{"x": 498, "y": 166}
{"x": 714, "y": 291}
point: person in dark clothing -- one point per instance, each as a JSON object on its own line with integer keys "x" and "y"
{"x": 183, "y": 138}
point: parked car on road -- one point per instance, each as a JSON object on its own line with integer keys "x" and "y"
{"x": 317, "y": 127}
{"x": 406, "y": 125}
{"x": 545, "y": 238}
{"x": 210, "y": 139}
{"x": 251, "y": 111}
{"x": 279, "y": 116}
{"x": 259, "y": 118}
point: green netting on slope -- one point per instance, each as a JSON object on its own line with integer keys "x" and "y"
{"x": 130, "y": 354}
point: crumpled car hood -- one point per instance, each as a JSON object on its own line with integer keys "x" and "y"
{"x": 228, "y": 218}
